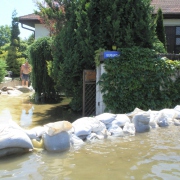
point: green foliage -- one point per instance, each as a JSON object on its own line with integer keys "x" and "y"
{"x": 2, "y": 69}
{"x": 5, "y": 34}
{"x": 158, "y": 46}
{"x": 160, "y": 31}
{"x": 40, "y": 54}
{"x": 14, "y": 60}
{"x": 15, "y": 40}
{"x": 88, "y": 26}
{"x": 138, "y": 79}
{"x": 17, "y": 53}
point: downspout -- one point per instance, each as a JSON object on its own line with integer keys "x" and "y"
{"x": 28, "y": 29}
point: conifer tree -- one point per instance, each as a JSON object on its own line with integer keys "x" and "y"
{"x": 160, "y": 31}
{"x": 14, "y": 59}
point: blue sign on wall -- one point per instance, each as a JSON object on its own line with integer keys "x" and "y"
{"x": 111, "y": 54}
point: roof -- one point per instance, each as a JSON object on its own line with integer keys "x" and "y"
{"x": 30, "y": 19}
{"x": 168, "y": 7}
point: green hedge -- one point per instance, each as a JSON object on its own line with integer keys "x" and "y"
{"x": 138, "y": 78}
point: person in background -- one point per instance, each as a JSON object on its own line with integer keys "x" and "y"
{"x": 24, "y": 73}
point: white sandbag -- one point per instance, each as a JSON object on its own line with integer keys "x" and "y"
{"x": 93, "y": 136}
{"x": 57, "y": 127}
{"x": 177, "y": 109}
{"x": 106, "y": 118}
{"x": 116, "y": 131}
{"x": 133, "y": 113}
{"x": 129, "y": 128}
{"x": 76, "y": 141}
{"x": 35, "y": 133}
{"x": 11, "y": 136}
{"x": 176, "y": 122}
{"x": 166, "y": 117}
{"x": 12, "y": 151}
{"x": 121, "y": 119}
{"x": 153, "y": 122}
{"x": 105, "y": 133}
{"x": 84, "y": 126}
{"x": 141, "y": 121}
{"x": 58, "y": 142}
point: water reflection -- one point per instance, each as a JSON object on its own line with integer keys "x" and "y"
{"x": 27, "y": 113}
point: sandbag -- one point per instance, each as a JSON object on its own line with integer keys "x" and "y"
{"x": 75, "y": 141}
{"x": 58, "y": 142}
{"x": 12, "y": 151}
{"x": 153, "y": 122}
{"x": 177, "y": 109}
{"x": 83, "y": 127}
{"x": 35, "y": 133}
{"x": 129, "y": 128}
{"x": 106, "y": 118}
{"x": 133, "y": 113}
{"x": 141, "y": 122}
{"x": 94, "y": 136}
{"x": 116, "y": 131}
{"x": 57, "y": 127}
{"x": 166, "y": 117}
{"x": 11, "y": 136}
{"x": 121, "y": 119}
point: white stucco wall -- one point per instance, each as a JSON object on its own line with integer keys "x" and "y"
{"x": 171, "y": 22}
{"x": 41, "y": 31}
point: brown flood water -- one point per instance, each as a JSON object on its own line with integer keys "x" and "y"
{"x": 151, "y": 155}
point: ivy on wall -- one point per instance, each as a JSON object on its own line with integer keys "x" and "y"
{"x": 138, "y": 78}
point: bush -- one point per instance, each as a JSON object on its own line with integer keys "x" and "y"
{"x": 2, "y": 69}
{"x": 138, "y": 78}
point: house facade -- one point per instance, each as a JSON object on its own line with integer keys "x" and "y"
{"x": 171, "y": 15}
{"x": 33, "y": 21}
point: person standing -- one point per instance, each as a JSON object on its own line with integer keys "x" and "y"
{"x": 24, "y": 73}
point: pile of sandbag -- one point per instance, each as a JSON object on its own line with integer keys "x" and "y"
{"x": 62, "y": 135}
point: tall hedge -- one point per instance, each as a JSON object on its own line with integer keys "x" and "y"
{"x": 40, "y": 55}
{"x": 138, "y": 78}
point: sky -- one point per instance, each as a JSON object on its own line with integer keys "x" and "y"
{"x": 22, "y": 7}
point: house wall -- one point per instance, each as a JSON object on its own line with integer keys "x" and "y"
{"x": 171, "y": 22}
{"x": 41, "y": 31}
{"x": 172, "y": 30}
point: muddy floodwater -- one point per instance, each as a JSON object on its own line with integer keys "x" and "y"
{"x": 151, "y": 155}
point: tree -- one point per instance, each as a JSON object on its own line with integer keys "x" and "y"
{"x": 15, "y": 40}
{"x": 5, "y": 35}
{"x": 90, "y": 25}
{"x": 160, "y": 31}
{"x": 14, "y": 57}
{"x": 40, "y": 55}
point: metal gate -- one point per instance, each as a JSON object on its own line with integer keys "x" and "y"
{"x": 89, "y": 93}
